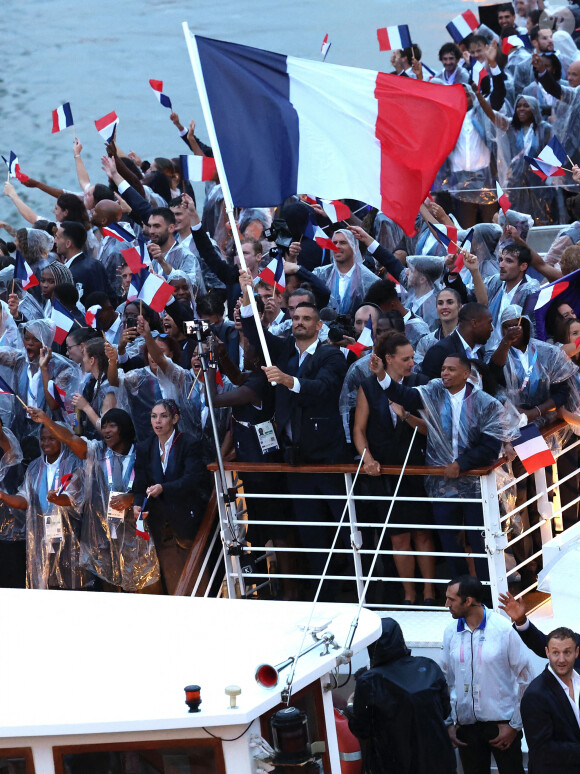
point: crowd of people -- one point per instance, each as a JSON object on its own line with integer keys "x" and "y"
{"x": 107, "y": 435}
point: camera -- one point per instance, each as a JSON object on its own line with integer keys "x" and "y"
{"x": 341, "y": 327}
{"x": 191, "y": 328}
{"x": 278, "y": 233}
{"x": 130, "y": 322}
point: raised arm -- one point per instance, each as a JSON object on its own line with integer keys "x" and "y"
{"x": 113, "y": 368}
{"x": 82, "y": 174}
{"x": 144, "y": 330}
{"x": 26, "y": 211}
{"x": 75, "y": 443}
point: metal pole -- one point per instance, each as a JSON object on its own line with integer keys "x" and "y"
{"x": 355, "y": 539}
{"x": 495, "y": 538}
{"x": 206, "y": 108}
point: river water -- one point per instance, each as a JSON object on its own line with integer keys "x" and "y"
{"x": 100, "y": 54}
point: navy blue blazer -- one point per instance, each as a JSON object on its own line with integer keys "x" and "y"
{"x": 178, "y": 504}
{"x": 91, "y": 274}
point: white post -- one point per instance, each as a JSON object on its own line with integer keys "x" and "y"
{"x": 205, "y": 106}
{"x": 226, "y": 534}
{"x": 544, "y": 505}
{"x": 355, "y": 540}
{"x": 495, "y": 537}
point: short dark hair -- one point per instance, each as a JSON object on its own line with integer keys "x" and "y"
{"x": 304, "y": 292}
{"x": 308, "y": 305}
{"x": 521, "y": 252}
{"x": 556, "y": 64}
{"x": 117, "y": 416}
{"x": 412, "y": 51}
{"x": 177, "y": 201}
{"x": 461, "y": 356}
{"x": 396, "y": 320}
{"x": 66, "y": 293}
{"x": 479, "y": 39}
{"x": 74, "y": 231}
{"x": 472, "y": 311}
{"x": 210, "y": 303}
{"x": 82, "y": 335}
{"x": 163, "y": 212}
{"x": 381, "y": 291}
{"x": 506, "y": 7}
{"x": 468, "y": 587}
{"x": 449, "y": 48}
{"x": 164, "y": 164}
{"x": 534, "y": 17}
{"x": 102, "y": 193}
{"x": 562, "y": 633}
{"x": 534, "y": 32}
{"x": 97, "y": 297}
{"x": 386, "y": 344}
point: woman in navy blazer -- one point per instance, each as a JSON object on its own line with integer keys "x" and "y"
{"x": 168, "y": 473}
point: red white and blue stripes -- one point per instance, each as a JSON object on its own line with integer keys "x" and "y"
{"x": 157, "y": 87}
{"x": 197, "y": 168}
{"x": 107, "y": 125}
{"x": 462, "y": 26}
{"x": 62, "y": 118}
{"x": 393, "y": 38}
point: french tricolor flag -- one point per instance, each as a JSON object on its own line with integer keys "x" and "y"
{"x": 14, "y": 167}
{"x": 478, "y": 73}
{"x": 502, "y": 199}
{"x": 197, "y": 168}
{"x": 314, "y": 232}
{"x": 107, "y": 125}
{"x": 140, "y": 528}
{"x": 62, "y": 118}
{"x": 317, "y": 114}
{"x": 155, "y": 292}
{"x": 63, "y": 320}
{"x": 5, "y": 388}
{"x": 122, "y": 233}
{"x": 132, "y": 258}
{"x": 24, "y": 273}
{"x": 515, "y": 41}
{"x": 465, "y": 247}
{"x": 365, "y": 340}
{"x": 273, "y": 274}
{"x": 91, "y": 315}
{"x": 157, "y": 87}
{"x": 325, "y": 47}
{"x": 549, "y": 161}
{"x": 532, "y": 449}
{"x": 447, "y": 235}
{"x": 335, "y": 210}
{"x": 549, "y": 292}
{"x": 462, "y": 26}
{"x": 64, "y": 482}
{"x": 137, "y": 282}
{"x": 57, "y": 393}
{"x": 393, "y": 38}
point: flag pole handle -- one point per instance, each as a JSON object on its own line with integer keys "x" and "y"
{"x": 20, "y": 399}
{"x": 12, "y": 286}
{"x": 229, "y": 206}
{"x": 194, "y": 383}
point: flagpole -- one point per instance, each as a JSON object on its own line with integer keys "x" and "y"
{"x": 205, "y": 106}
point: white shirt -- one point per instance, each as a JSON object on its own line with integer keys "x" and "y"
{"x": 507, "y": 296}
{"x": 34, "y": 381}
{"x": 456, "y": 402}
{"x": 165, "y": 449}
{"x": 70, "y": 260}
{"x": 487, "y": 671}
{"x": 417, "y": 303}
{"x": 301, "y": 357}
{"x": 343, "y": 280}
{"x": 470, "y": 152}
{"x": 394, "y": 416}
{"x": 576, "y": 686}
{"x": 52, "y": 473}
{"x": 471, "y": 352}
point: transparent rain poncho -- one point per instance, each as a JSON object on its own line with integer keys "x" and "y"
{"x": 110, "y": 546}
{"x": 137, "y": 393}
{"x": 9, "y": 336}
{"x": 53, "y": 531}
{"x": 194, "y": 290}
{"x": 12, "y": 520}
{"x": 480, "y": 414}
{"x": 387, "y": 232}
{"x": 550, "y": 366}
{"x": 355, "y": 376}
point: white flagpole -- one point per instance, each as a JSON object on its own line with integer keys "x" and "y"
{"x": 205, "y": 106}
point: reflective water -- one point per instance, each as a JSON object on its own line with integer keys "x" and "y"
{"x": 99, "y": 55}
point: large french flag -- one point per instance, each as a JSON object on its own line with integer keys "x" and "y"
{"x": 532, "y": 449}
{"x": 63, "y": 320}
{"x": 336, "y": 132}
{"x": 462, "y": 26}
{"x": 197, "y": 168}
{"x": 394, "y": 38}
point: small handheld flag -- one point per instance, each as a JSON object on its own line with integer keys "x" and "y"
{"x": 335, "y": 210}
{"x": 24, "y": 273}
{"x": 549, "y": 161}
{"x": 502, "y": 199}
{"x": 365, "y": 340}
{"x": 478, "y": 73}
{"x": 91, "y": 315}
{"x": 106, "y": 126}
{"x": 462, "y": 26}
{"x": 325, "y": 47}
{"x": 132, "y": 258}
{"x": 157, "y": 87}
{"x": 120, "y": 232}
{"x": 394, "y": 38}
{"x": 197, "y": 168}
{"x": 314, "y": 232}
{"x": 6, "y": 389}
{"x": 57, "y": 393}
{"x": 63, "y": 320}
{"x": 273, "y": 274}
{"x": 465, "y": 247}
{"x": 62, "y": 118}
{"x": 137, "y": 281}
{"x": 140, "y": 523}
{"x": 155, "y": 292}
{"x": 14, "y": 168}
{"x": 447, "y": 236}
{"x": 515, "y": 41}
{"x": 64, "y": 482}
{"x": 532, "y": 449}
{"x": 549, "y": 293}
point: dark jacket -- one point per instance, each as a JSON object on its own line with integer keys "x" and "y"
{"x": 551, "y": 729}
{"x": 316, "y": 423}
{"x": 399, "y": 711}
{"x": 178, "y": 504}
{"x": 537, "y": 641}
{"x": 92, "y": 275}
{"x": 435, "y": 355}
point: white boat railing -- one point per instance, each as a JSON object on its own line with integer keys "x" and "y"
{"x": 496, "y": 518}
